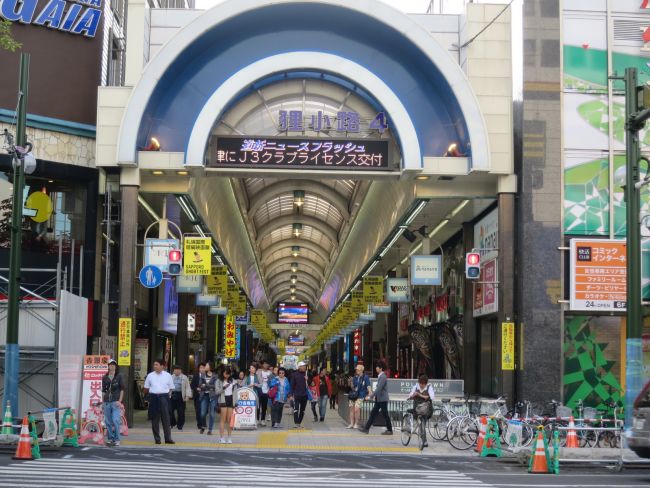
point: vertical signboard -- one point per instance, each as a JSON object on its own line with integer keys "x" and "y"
{"x": 356, "y": 343}
{"x": 230, "y": 337}
{"x": 598, "y": 275}
{"x": 373, "y": 289}
{"x": 507, "y": 346}
{"x": 486, "y": 243}
{"x": 197, "y": 256}
{"x": 94, "y": 368}
{"x": 124, "y": 342}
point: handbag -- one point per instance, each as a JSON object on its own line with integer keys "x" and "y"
{"x": 273, "y": 392}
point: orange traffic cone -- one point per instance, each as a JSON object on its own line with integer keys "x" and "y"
{"x": 540, "y": 462}
{"x": 571, "y": 436}
{"x": 24, "y": 449}
{"x": 481, "y": 433}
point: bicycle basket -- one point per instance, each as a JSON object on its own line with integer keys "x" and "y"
{"x": 590, "y": 413}
{"x": 563, "y": 411}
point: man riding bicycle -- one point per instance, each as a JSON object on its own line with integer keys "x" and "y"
{"x": 422, "y": 395}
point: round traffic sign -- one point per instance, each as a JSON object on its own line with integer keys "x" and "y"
{"x": 151, "y": 276}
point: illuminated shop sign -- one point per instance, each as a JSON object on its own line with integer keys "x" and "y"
{"x": 297, "y": 121}
{"x": 76, "y": 17}
{"x": 335, "y": 154}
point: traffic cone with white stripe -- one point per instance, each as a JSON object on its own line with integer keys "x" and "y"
{"x": 24, "y": 448}
{"x": 7, "y": 422}
{"x": 481, "y": 433}
{"x": 571, "y": 436}
{"x": 540, "y": 461}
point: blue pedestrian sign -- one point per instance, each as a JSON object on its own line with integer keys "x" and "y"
{"x": 151, "y": 276}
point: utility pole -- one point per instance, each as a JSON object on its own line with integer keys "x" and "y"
{"x": 636, "y": 115}
{"x": 12, "y": 349}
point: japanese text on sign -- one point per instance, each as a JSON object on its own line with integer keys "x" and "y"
{"x": 124, "y": 342}
{"x": 373, "y": 289}
{"x": 356, "y": 338}
{"x": 230, "y": 337}
{"x": 336, "y": 154}
{"x": 94, "y": 368}
{"x": 197, "y": 252}
{"x": 217, "y": 282}
{"x": 507, "y": 346}
{"x": 598, "y": 274}
{"x": 296, "y": 121}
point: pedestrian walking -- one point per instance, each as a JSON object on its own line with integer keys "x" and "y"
{"x": 279, "y": 392}
{"x": 300, "y": 395}
{"x": 360, "y": 387}
{"x": 158, "y": 385}
{"x": 381, "y": 400}
{"x": 196, "y": 394}
{"x": 113, "y": 394}
{"x": 313, "y": 395}
{"x": 181, "y": 393}
{"x": 324, "y": 386}
{"x": 227, "y": 385}
{"x": 263, "y": 377}
{"x": 208, "y": 398}
{"x": 334, "y": 385}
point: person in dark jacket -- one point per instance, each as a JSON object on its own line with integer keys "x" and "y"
{"x": 300, "y": 394}
{"x": 381, "y": 401}
{"x": 196, "y": 393}
{"x": 113, "y": 393}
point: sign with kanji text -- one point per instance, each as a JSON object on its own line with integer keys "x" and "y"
{"x": 358, "y": 304}
{"x": 356, "y": 343}
{"x": 258, "y": 318}
{"x": 94, "y": 368}
{"x": 217, "y": 282}
{"x": 373, "y": 289}
{"x": 598, "y": 275}
{"x": 197, "y": 255}
{"x": 507, "y": 346}
{"x": 124, "y": 342}
{"x": 230, "y": 337}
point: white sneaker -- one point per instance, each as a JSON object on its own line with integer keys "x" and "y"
{"x": 222, "y": 440}
{"x": 351, "y": 426}
{"x": 116, "y": 443}
{"x": 229, "y": 441}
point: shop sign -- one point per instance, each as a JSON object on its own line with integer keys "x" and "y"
{"x": 283, "y": 153}
{"x": 80, "y": 17}
{"x": 358, "y": 305}
{"x": 197, "y": 254}
{"x": 294, "y": 121}
{"x": 140, "y": 358}
{"x": 124, "y": 342}
{"x": 384, "y": 307}
{"x": 230, "y": 337}
{"x": 373, "y": 289}
{"x": 191, "y": 322}
{"x": 156, "y": 251}
{"x": 258, "y": 318}
{"x": 507, "y": 346}
{"x": 246, "y": 409}
{"x": 239, "y": 308}
{"x": 486, "y": 243}
{"x": 368, "y": 317}
{"x": 426, "y": 270}
{"x": 217, "y": 282}
{"x": 401, "y": 388}
{"x": 398, "y": 290}
{"x": 217, "y": 310}
{"x": 95, "y": 367}
{"x": 356, "y": 343}
{"x": 203, "y": 300}
{"x": 598, "y": 275}
{"x": 189, "y": 284}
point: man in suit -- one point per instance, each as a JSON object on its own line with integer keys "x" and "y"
{"x": 381, "y": 401}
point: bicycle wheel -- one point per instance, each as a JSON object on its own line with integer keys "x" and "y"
{"x": 407, "y": 429}
{"x": 422, "y": 433}
{"x": 586, "y": 438}
{"x": 462, "y": 433}
{"x": 607, "y": 439}
{"x": 438, "y": 424}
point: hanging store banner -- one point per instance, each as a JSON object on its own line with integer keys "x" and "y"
{"x": 373, "y": 289}
{"x": 239, "y": 308}
{"x": 217, "y": 282}
{"x": 232, "y": 296}
{"x": 426, "y": 270}
{"x": 507, "y": 346}
{"x": 95, "y": 367}
{"x": 486, "y": 243}
{"x": 283, "y": 153}
{"x": 258, "y": 318}
{"x": 189, "y": 284}
{"x": 358, "y": 305}
{"x": 197, "y": 256}
{"x": 598, "y": 275}
{"x": 230, "y": 337}
{"x": 124, "y": 342}
{"x": 398, "y": 290}
{"x": 156, "y": 252}
{"x": 356, "y": 343}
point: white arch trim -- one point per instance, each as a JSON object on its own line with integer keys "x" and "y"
{"x": 409, "y": 28}
{"x": 216, "y": 104}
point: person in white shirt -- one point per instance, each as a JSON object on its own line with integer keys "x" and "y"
{"x": 159, "y": 385}
{"x": 264, "y": 375}
{"x": 422, "y": 395}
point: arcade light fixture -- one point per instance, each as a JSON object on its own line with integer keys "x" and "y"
{"x": 294, "y": 279}
{"x": 294, "y": 267}
{"x": 298, "y": 198}
{"x": 295, "y": 251}
{"x": 293, "y": 298}
{"x": 292, "y": 289}
{"x": 297, "y": 230}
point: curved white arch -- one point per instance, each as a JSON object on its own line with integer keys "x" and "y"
{"x": 409, "y": 28}
{"x": 216, "y": 104}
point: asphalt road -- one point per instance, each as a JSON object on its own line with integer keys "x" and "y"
{"x": 103, "y": 467}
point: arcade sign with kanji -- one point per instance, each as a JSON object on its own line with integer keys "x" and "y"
{"x": 284, "y": 153}
{"x": 343, "y": 121}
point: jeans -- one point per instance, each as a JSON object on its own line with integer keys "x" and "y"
{"x": 383, "y": 406}
{"x": 264, "y": 403}
{"x": 178, "y": 410}
{"x": 208, "y": 407}
{"x": 113, "y": 420}
{"x": 276, "y": 413}
{"x": 313, "y": 409}
{"x": 322, "y": 406}
{"x": 299, "y": 406}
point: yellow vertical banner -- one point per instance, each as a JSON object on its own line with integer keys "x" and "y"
{"x": 231, "y": 297}
{"x": 507, "y": 346}
{"x": 239, "y": 308}
{"x": 124, "y": 342}
{"x": 230, "y": 336}
{"x": 373, "y": 289}
{"x": 358, "y": 305}
{"x": 217, "y": 282}
{"x": 197, "y": 256}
